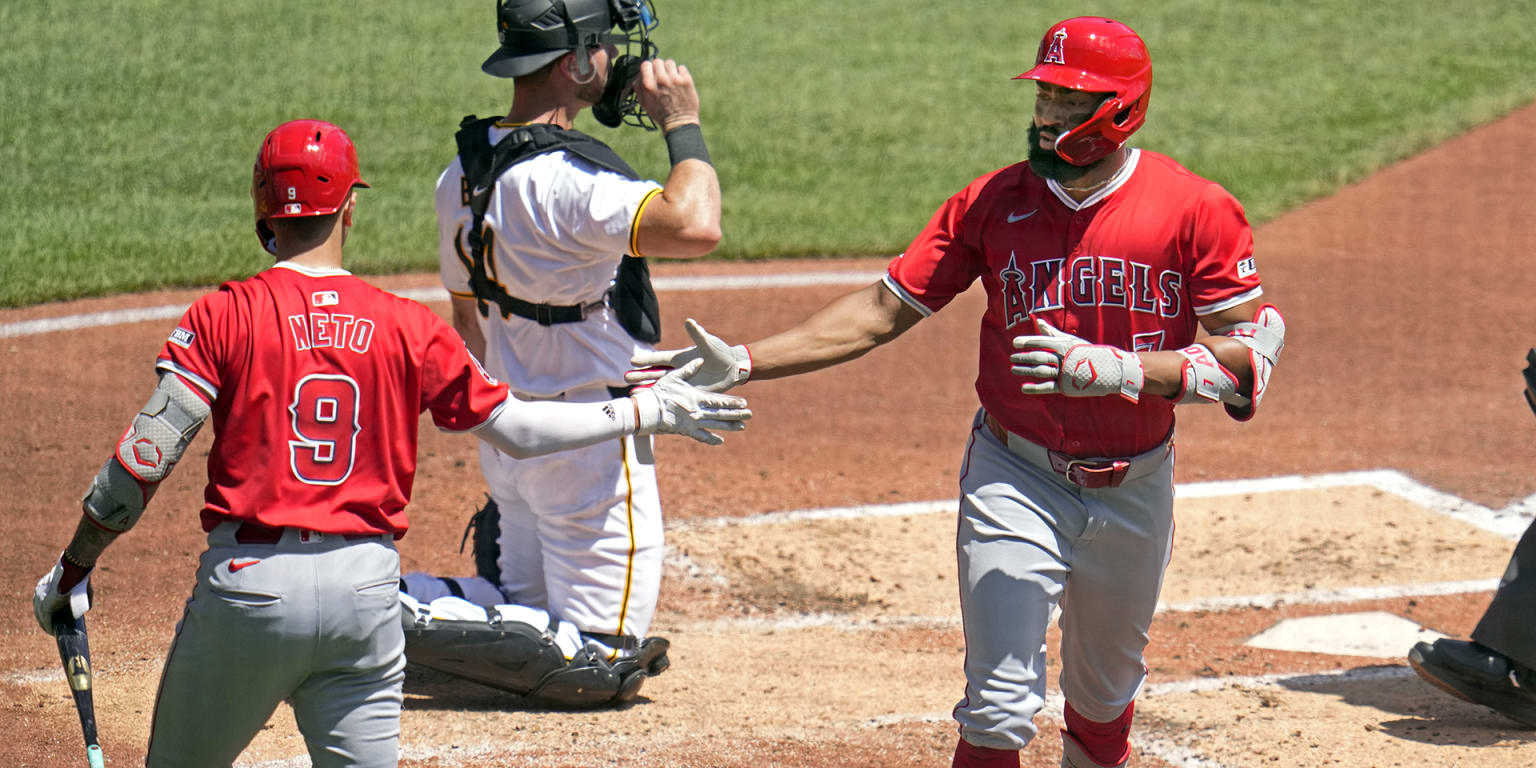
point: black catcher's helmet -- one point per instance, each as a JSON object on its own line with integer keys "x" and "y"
{"x": 535, "y": 32}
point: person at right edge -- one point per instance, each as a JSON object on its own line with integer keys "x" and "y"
{"x": 1119, "y": 285}
{"x": 1497, "y": 667}
{"x": 544, "y": 238}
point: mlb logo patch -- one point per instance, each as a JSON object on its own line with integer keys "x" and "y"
{"x": 1247, "y": 267}
{"x": 293, "y": 208}
{"x": 182, "y": 337}
{"x": 325, "y": 298}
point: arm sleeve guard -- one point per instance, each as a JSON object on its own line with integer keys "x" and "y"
{"x": 146, "y": 454}
{"x": 1264, "y": 338}
{"x": 523, "y": 429}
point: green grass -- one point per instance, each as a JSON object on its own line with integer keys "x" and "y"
{"x": 130, "y": 127}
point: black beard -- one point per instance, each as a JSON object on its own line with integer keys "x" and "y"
{"x": 1046, "y": 164}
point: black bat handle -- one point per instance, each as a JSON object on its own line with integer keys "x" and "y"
{"x": 75, "y": 652}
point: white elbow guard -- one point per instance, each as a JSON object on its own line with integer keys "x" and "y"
{"x": 1264, "y": 338}
{"x": 1206, "y": 380}
{"x": 146, "y": 454}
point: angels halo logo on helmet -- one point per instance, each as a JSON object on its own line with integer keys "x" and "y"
{"x": 304, "y": 168}
{"x": 1092, "y": 53}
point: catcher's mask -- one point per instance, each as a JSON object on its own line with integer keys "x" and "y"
{"x": 534, "y": 33}
{"x": 304, "y": 168}
{"x": 1091, "y": 53}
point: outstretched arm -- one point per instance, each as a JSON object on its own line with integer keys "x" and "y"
{"x": 841, "y": 331}
{"x": 523, "y": 429}
{"x": 844, "y": 330}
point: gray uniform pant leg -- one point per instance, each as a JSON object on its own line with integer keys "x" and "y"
{"x": 1026, "y": 540}
{"x": 1509, "y": 624}
{"x": 315, "y": 623}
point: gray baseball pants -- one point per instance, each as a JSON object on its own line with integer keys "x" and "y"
{"x": 1027, "y": 540}
{"x": 309, "y": 618}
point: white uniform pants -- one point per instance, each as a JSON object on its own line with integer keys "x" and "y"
{"x": 314, "y": 622}
{"x": 581, "y": 532}
{"x": 1026, "y": 540}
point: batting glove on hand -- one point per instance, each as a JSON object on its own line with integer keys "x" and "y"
{"x": 50, "y": 596}
{"x": 1071, "y": 366}
{"x": 675, "y": 405}
{"x": 724, "y": 366}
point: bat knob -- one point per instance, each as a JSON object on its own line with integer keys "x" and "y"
{"x": 93, "y": 754}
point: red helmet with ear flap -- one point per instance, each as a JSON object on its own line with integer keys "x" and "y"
{"x": 1092, "y": 53}
{"x": 304, "y": 168}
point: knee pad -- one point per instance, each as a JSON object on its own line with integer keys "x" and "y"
{"x": 510, "y": 656}
{"x": 523, "y": 659}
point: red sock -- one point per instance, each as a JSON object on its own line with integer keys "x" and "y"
{"x": 968, "y": 755}
{"x": 1107, "y": 743}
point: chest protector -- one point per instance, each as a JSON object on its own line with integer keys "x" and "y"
{"x": 632, "y": 297}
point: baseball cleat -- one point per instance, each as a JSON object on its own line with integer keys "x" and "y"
{"x": 1474, "y": 673}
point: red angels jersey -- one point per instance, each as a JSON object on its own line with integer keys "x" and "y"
{"x": 316, "y": 381}
{"x": 1132, "y": 266}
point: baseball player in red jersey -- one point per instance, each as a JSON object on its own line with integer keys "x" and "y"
{"x": 314, "y": 381}
{"x": 1119, "y": 284}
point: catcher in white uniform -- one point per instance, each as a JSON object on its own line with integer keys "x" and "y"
{"x": 543, "y": 231}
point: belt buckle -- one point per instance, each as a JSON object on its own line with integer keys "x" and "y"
{"x": 1089, "y": 474}
{"x": 543, "y": 315}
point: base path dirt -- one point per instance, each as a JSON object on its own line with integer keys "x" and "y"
{"x": 832, "y": 638}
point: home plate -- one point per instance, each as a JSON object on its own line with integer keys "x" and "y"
{"x": 1374, "y": 633}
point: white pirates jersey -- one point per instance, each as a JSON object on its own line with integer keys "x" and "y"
{"x": 558, "y": 228}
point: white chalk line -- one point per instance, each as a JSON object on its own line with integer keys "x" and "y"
{"x": 437, "y": 293}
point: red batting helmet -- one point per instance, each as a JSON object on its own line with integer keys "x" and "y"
{"x": 1091, "y": 53}
{"x": 304, "y": 168}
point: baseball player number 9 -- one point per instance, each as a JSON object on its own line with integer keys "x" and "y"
{"x": 325, "y": 424}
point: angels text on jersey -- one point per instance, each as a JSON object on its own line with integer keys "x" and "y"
{"x": 1087, "y": 281}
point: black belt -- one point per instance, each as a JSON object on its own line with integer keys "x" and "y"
{"x": 256, "y": 533}
{"x": 545, "y": 314}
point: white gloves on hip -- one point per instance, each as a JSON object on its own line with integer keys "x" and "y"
{"x": 724, "y": 366}
{"x": 47, "y": 600}
{"x": 677, "y": 404}
{"x": 1062, "y": 363}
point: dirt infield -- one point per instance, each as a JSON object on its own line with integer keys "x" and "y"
{"x": 814, "y": 622}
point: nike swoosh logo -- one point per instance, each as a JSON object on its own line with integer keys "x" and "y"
{"x": 479, "y": 191}
{"x": 1012, "y": 218}
{"x": 234, "y": 566}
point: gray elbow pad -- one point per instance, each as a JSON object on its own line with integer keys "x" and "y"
{"x": 146, "y": 454}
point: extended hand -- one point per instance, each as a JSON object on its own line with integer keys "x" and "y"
{"x": 676, "y": 406}
{"x": 1063, "y": 363}
{"x": 49, "y": 597}
{"x": 724, "y": 366}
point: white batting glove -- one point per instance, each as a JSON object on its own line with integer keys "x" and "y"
{"x": 674, "y": 405}
{"x": 1071, "y": 366}
{"x": 724, "y": 366}
{"x": 47, "y": 600}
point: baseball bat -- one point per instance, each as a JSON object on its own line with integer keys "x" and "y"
{"x": 75, "y": 652}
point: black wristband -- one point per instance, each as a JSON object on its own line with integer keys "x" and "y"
{"x": 686, "y": 142}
